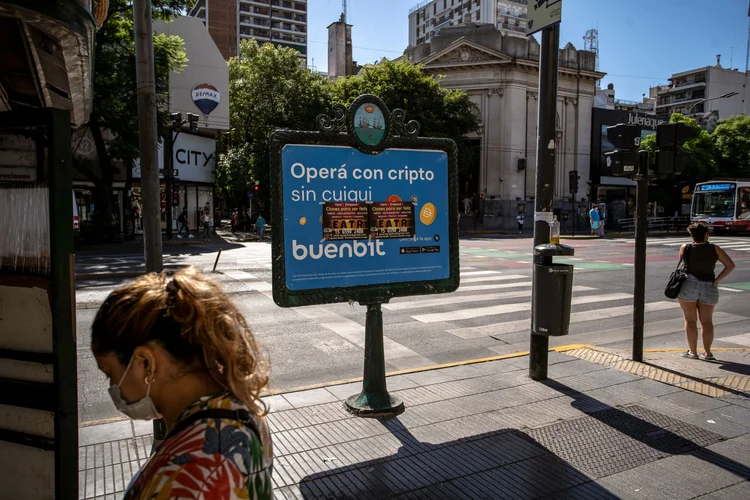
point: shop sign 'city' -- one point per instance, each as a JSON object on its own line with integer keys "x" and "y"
{"x": 188, "y": 157}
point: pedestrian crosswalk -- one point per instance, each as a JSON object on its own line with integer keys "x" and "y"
{"x": 728, "y": 243}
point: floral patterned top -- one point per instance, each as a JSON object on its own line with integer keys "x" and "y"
{"x": 209, "y": 459}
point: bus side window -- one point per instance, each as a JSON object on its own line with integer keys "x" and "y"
{"x": 743, "y": 207}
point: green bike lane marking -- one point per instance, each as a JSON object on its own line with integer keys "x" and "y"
{"x": 738, "y": 286}
{"x": 506, "y": 255}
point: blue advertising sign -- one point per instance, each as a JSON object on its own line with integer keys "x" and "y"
{"x": 717, "y": 187}
{"x": 354, "y": 219}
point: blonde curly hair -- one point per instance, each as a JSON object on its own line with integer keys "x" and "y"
{"x": 195, "y": 321}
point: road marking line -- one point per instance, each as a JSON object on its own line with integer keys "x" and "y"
{"x": 502, "y": 277}
{"x": 451, "y": 299}
{"x": 396, "y": 354}
{"x": 743, "y": 339}
{"x": 726, "y": 289}
{"x": 249, "y": 280}
{"x": 479, "y": 273}
{"x": 509, "y": 308}
{"x": 577, "y": 317}
{"x": 473, "y": 288}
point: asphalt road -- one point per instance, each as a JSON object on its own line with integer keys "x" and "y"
{"x": 487, "y": 316}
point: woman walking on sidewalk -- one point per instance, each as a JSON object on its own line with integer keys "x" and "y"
{"x": 178, "y": 349}
{"x": 699, "y": 292}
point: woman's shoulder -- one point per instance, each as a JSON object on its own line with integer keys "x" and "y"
{"x": 210, "y": 444}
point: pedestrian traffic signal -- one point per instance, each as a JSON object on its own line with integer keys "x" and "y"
{"x": 670, "y": 138}
{"x": 573, "y": 178}
{"x": 626, "y": 139}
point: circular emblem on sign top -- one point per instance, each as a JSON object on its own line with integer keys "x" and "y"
{"x": 369, "y": 124}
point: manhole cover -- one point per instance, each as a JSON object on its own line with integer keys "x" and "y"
{"x": 619, "y": 439}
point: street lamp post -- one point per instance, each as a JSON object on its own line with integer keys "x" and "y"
{"x": 725, "y": 96}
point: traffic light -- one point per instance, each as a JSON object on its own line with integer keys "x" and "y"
{"x": 573, "y": 178}
{"x": 193, "y": 121}
{"x": 256, "y": 189}
{"x": 670, "y": 137}
{"x": 624, "y": 159}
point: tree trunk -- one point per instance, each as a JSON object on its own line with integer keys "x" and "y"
{"x": 102, "y": 186}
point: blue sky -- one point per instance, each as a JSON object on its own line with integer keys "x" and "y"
{"x": 641, "y": 42}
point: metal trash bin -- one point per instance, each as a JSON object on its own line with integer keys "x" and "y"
{"x": 553, "y": 292}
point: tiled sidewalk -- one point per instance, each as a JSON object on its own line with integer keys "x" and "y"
{"x": 486, "y": 431}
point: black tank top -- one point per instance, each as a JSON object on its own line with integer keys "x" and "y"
{"x": 702, "y": 261}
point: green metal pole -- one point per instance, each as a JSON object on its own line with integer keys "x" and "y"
{"x": 374, "y": 400}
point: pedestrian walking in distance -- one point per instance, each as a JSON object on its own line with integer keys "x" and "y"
{"x": 260, "y": 225}
{"x": 182, "y": 223}
{"x": 594, "y": 219}
{"x": 206, "y": 226}
{"x": 699, "y": 293}
{"x": 467, "y": 205}
{"x": 519, "y": 220}
{"x": 178, "y": 349}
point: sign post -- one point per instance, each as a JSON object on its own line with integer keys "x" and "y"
{"x": 544, "y": 15}
{"x": 365, "y": 211}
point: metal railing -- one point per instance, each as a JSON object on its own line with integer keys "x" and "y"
{"x": 655, "y": 224}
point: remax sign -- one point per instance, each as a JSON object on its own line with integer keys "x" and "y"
{"x": 206, "y": 97}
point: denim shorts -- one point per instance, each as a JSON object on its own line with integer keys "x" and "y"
{"x": 704, "y": 292}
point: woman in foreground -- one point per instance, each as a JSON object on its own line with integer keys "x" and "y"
{"x": 178, "y": 349}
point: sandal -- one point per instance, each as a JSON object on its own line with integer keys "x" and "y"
{"x": 688, "y": 354}
{"x": 707, "y": 356}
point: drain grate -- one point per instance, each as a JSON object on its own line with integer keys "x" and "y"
{"x": 615, "y": 440}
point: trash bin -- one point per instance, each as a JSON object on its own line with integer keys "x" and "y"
{"x": 553, "y": 291}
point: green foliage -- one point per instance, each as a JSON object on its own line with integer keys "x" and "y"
{"x": 269, "y": 89}
{"x": 401, "y": 84}
{"x": 114, "y": 119}
{"x": 732, "y": 138}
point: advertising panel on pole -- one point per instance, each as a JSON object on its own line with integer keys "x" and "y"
{"x": 363, "y": 215}
{"x": 541, "y": 14}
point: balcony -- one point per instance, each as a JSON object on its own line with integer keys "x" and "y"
{"x": 511, "y": 27}
{"x": 419, "y": 6}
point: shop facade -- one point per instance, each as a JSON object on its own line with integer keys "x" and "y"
{"x": 194, "y": 163}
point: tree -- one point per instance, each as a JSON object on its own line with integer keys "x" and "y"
{"x": 401, "y": 84}
{"x": 114, "y": 119}
{"x": 732, "y": 138}
{"x": 269, "y": 89}
{"x": 700, "y": 167}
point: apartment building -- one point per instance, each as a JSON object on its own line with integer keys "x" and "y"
{"x": 701, "y": 90}
{"x": 426, "y": 18}
{"x": 282, "y": 22}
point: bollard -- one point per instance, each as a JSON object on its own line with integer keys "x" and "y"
{"x": 217, "y": 261}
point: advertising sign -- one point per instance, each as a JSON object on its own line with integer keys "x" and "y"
{"x": 542, "y": 13}
{"x": 365, "y": 215}
{"x": 350, "y": 217}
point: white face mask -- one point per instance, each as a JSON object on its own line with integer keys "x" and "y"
{"x": 143, "y": 409}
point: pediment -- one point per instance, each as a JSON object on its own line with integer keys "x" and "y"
{"x": 464, "y": 52}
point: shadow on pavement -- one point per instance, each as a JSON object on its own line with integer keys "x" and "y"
{"x": 663, "y": 434}
{"x": 506, "y": 463}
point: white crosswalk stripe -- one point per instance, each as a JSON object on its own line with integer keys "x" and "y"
{"x": 479, "y": 312}
{"x": 576, "y": 317}
{"x": 735, "y": 243}
{"x": 450, "y": 299}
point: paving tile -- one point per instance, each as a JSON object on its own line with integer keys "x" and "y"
{"x": 461, "y": 372}
{"x": 692, "y": 401}
{"x": 740, "y": 491}
{"x": 309, "y": 398}
{"x": 400, "y": 382}
{"x": 343, "y": 391}
{"x": 277, "y": 403}
{"x": 684, "y": 480}
{"x": 103, "y": 433}
{"x": 428, "y": 377}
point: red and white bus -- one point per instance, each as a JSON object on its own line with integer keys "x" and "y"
{"x": 723, "y": 205}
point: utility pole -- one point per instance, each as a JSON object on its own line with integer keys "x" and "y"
{"x": 146, "y": 82}
{"x": 545, "y": 174}
{"x": 639, "y": 260}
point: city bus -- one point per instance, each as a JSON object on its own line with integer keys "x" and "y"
{"x": 723, "y": 205}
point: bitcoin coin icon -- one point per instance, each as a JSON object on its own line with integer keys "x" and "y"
{"x": 428, "y": 214}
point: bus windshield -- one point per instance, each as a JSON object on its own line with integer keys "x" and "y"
{"x": 713, "y": 204}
